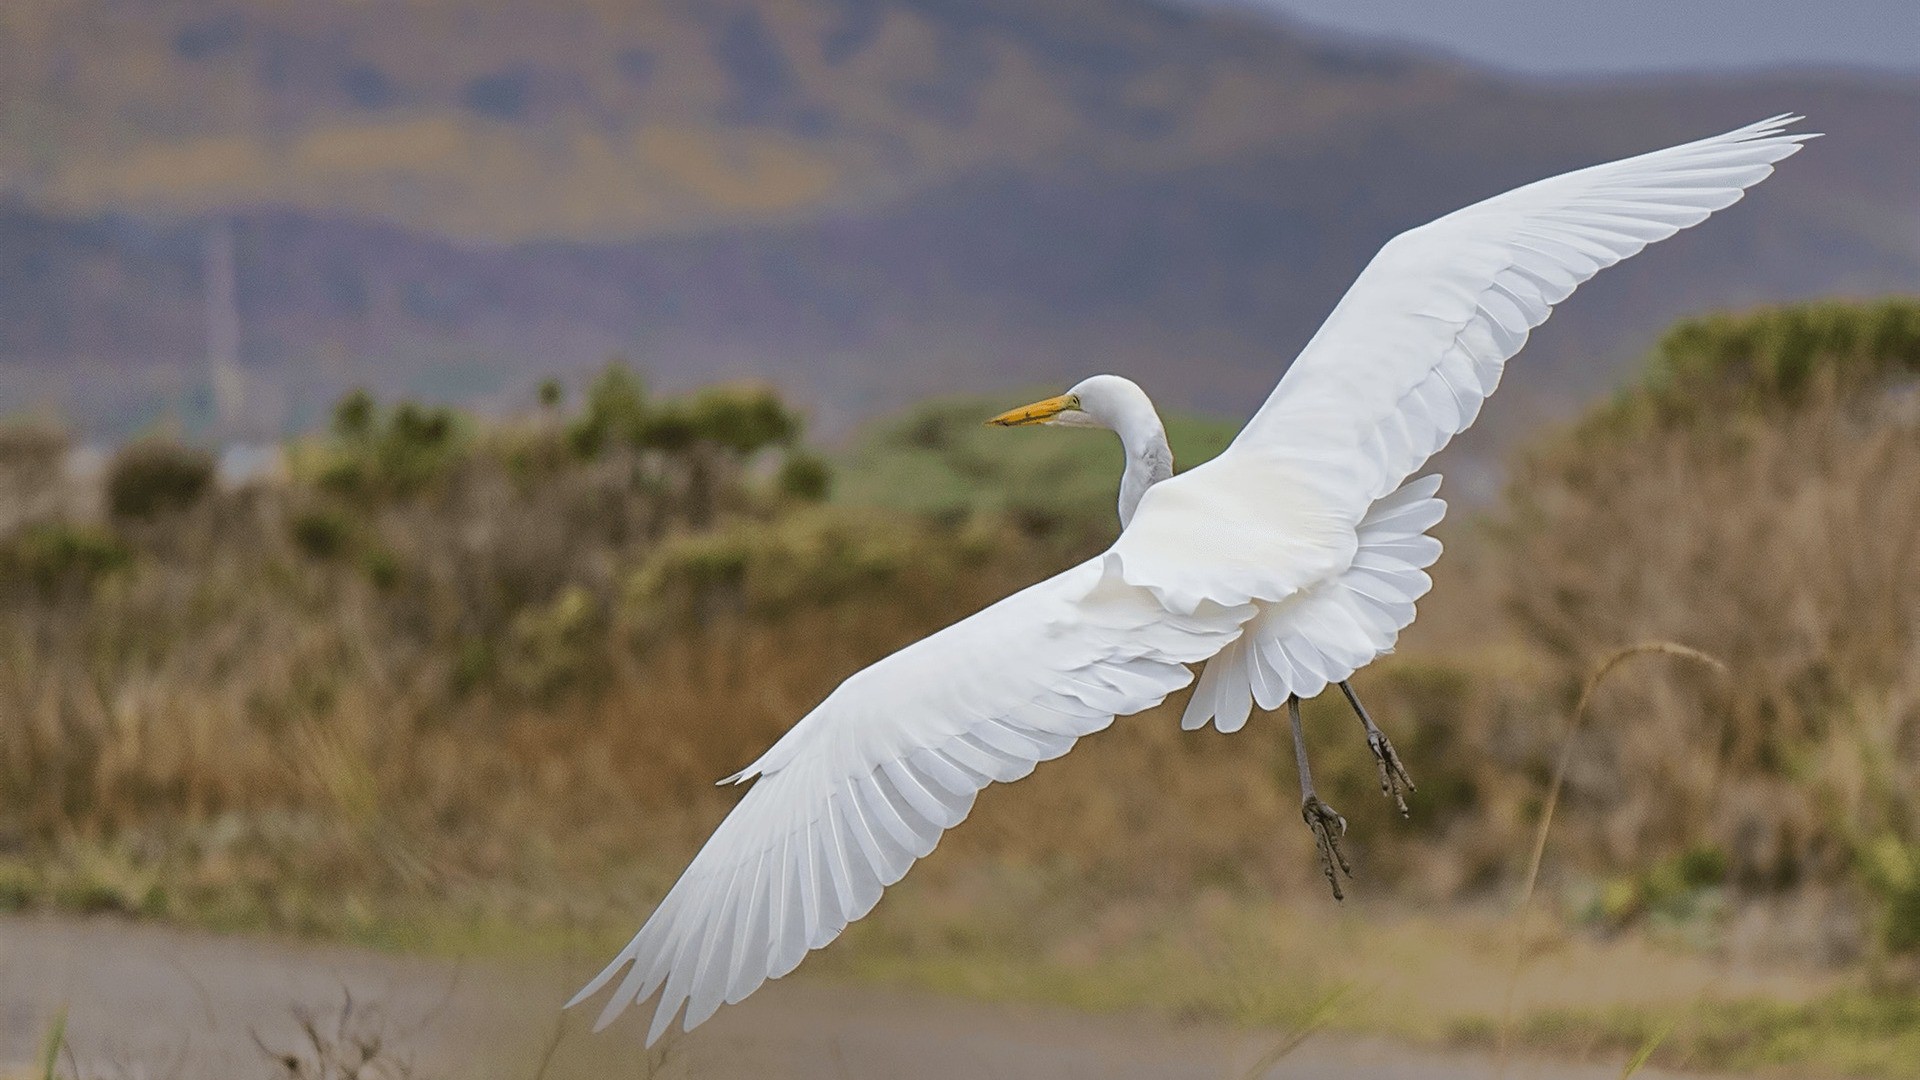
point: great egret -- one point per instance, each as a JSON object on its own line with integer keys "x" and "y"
{"x": 1287, "y": 563}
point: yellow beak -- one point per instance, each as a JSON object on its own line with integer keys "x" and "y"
{"x": 1037, "y": 413}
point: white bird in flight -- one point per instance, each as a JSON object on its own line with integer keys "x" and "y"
{"x": 1287, "y": 563}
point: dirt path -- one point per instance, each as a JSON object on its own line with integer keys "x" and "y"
{"x": 149, "y": 1001}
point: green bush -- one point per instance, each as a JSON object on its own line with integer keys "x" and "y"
{"x": 1684, "y": 892}
{"x": 382, "y": 568}
{"x": 743, "y": 419}
{"x": 552, "y": 647}
{"x": 1774, "y": 358}
{"x": 1778, "y": 354}
{"x": 939, "y": 460}
{"x": 400, "y": 453}
{"x": 353, "y": 415}
{"x": 815, "y": 557}
{"x": 1890, "y": 869}
{"x": 614, "y": 413}
{"x": 322, "y": 533}
{"x": 805, "y": 476}
{"x": 155, "y": 476}
{"x": 52, "y": 555}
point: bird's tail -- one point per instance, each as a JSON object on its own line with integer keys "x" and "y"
{"x": 1325, "y": 633}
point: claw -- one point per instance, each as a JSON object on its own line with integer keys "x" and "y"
{"x": 1327, "y": 827}
{"x": 1393, "y": 775}
{"x": 1394, "y": 781}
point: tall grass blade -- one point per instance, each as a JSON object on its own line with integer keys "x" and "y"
{"x": 1316, "y": 1018}
{"x": 56, "y": 1039}
{"x": 1568, "y": 742}
{"x": 1640, "y": 1056}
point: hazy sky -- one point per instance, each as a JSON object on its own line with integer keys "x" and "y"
{"x": 1600, "y": 37}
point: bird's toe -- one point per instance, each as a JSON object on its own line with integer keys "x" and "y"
{"x": 1327, "y": 827}
{"x": 1395, "y": 784}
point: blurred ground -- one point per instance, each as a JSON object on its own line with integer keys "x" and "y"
{"x": 155, "y": 1001}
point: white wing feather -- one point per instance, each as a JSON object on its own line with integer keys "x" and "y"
{"x": 1290, "y": 528}
{"x": 866, "y": 783}
{"x": 1406, "y": 358}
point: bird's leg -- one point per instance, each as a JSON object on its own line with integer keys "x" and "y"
{"x": 1393, "y": 775}
{"x": 1326, "y": 825}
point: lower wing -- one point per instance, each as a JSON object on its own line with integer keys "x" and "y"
{"x": 867, "y": 782}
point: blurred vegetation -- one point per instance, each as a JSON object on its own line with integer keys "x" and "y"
{"x": 56, "y": 555}
{"x": 941, "y": 461}
{"x": 156, "y": 476}
{"x": 1762, "y": 364}
{"x": 1848, "y": 1033}
{"x": 491, "y": 668}
{"x": 1755, "y": 499}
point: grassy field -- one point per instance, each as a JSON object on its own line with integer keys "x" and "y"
{"x": 451, "y": 686}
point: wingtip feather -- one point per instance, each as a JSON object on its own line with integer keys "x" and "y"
{"x": 599, "y": 982}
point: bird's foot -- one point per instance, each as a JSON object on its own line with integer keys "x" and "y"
{"x": 1327, "y": 827}
{"x": 1395, "y": 784}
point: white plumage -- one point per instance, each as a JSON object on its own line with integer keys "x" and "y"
{"x": 1291, "y": 560}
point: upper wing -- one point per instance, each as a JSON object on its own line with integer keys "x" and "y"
{"x": 1408, "y": 355}
{"x": 866, "y": 782}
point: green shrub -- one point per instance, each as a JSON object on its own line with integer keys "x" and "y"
{"x": 1890, "y": 868}
{"x": 552, "y": 646}
{"x": 1685, "y": 892}
{"x": 669, "y": 427}
{"x": 53, "y": 555}
{"x": 155, "y": 476}
{"x": 614, "y": 412}
{"x": 322, "y": 533}
{"x": 354, "y": 415}
{"x": 401, "y": 453}
{"x": 19, "y": 885}
{"x": 382, "y": 568}
{"x": 939, "y": 460}
{"x": 815, "y": 558}
{"x": 805, "y": 476}
{"x": 1774, "y": 358}
{"x": 1776, "y": 355}
{"x": 345, "y": 475}
{"x": 743, "y": 419}
{"x": 421, "y": 425}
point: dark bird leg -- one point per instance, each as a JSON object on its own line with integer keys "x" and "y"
{"x": 1393, "y": 775}
{"x": 1326, "y": 825}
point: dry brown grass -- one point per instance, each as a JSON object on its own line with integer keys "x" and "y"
{"x": 1783, "y": 543}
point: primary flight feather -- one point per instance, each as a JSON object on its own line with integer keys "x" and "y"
{"x": 1287, "y": 563}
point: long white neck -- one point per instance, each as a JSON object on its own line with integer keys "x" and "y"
{"x": 1149, "y": 461}
{"x": 1116, "y": 403}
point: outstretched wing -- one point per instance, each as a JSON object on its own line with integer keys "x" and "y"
{"x": 1403, "y": 364}
{"x": 866, "y": 783}
{"x": 1418, "y": 343}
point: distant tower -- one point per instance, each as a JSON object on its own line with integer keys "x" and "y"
{"x": 223, "y": 331}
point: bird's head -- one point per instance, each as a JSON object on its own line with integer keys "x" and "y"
{"x": 1103, "y": 401}
{"x": 1120, "y": 406}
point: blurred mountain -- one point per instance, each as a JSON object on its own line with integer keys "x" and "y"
{"x": 865, "y": 201}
